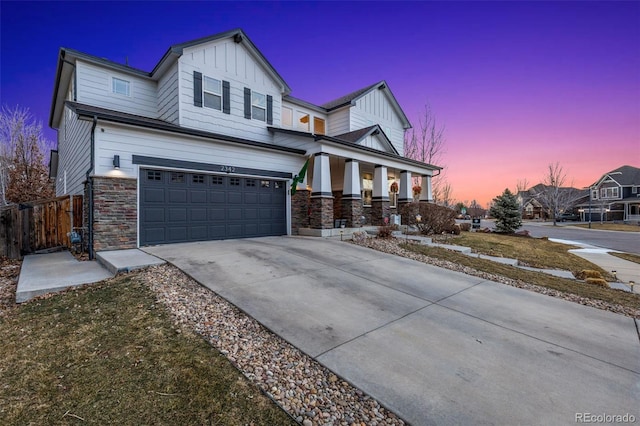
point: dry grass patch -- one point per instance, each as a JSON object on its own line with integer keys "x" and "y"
{"x": 626, "y": 227}
{"x": 626, "y": 256}
{"x": 534, "y": 252}
{"x": 563, "y": 285}
{"x": 109, "y": 354}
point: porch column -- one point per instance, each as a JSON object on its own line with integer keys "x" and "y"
{"x": 426, "y": 195}
{"x": 300, "y": 206}
{"x": 405, "y": 196}
{"x": 380, "y": 199}
{"x": 351, "y": 198}
{"x": 321, "y": 202}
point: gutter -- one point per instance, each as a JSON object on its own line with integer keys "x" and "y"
{"x": 90, "y": 189}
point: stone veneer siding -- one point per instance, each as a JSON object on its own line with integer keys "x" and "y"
{"x": 300, "y": 210}
{"x": 352, "y": 211}
{"x": 379, "y": 210}
{"x": 321, "y": 213}
{"x": 115, "y": 219}
{"x": 337, "y": 206}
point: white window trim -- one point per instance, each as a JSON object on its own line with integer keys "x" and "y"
{"x": 253, "y": 105}
{"x": 204, "y": 90}
{"x": 113, "y": 86}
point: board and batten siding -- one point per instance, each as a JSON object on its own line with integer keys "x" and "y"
{"x": 74, "y": 148}
{"x": 128, "y": 141}
{"x": 373, "y": 142}
{"x": 226, "y": 61}
{"x": 375, "y": 108}
{"x": 94, "y": 87}
{"x": 168, "y": 95}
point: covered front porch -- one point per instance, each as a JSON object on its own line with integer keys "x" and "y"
{"x": 342, "y": 191}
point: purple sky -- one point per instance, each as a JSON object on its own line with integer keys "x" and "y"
{"x": 518, "y": 85}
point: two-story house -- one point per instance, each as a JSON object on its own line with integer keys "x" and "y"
{"x": 615, "y": 196}
{"x": 206, "y": 145}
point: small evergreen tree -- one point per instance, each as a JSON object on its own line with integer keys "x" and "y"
{"x": 506, "y": 211}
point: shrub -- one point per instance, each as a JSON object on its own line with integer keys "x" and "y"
{"x": 597, "y": 281}
{"x": 588, "y": 273}
{"x": 506, "y": 211}
{"x": 434, "y": 219}
{"x": 385, "y": 231}
{"x": 456, "y": 229}
{"x": 466, "y": 227}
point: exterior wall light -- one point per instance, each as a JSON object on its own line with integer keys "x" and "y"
{"x": 116, "y": 162}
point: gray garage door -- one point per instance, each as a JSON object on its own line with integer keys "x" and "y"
{"x": 178, "y": 207}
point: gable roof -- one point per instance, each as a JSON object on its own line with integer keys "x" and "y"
{"x": 238, "y": 36}
{"x": 357, "y": 136}
{"x": 624, "y": 176}
{"x": 67, "y": 58}
{"x": 352, "y": 97}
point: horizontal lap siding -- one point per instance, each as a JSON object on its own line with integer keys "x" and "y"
{"x": 226, "y": 61}
{"x": 126, "y": 142}
{"x": 338, "y": 122}
{"x": 168, "y": 95}
{"x": 94, "y": 87}
{"x": 74, "y": 145}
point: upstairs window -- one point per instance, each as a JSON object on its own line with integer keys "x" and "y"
{"x": 287, "y": 117}
{"x": 303, "y": 121}
{"x": 212, "y": 93}
{"x": 609, "y": 192}
{"x": 120, "y": 87}
{"x": 318, "y": 126}
{"x": 258, "y": 106}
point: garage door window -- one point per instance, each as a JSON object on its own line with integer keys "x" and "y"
{"x": 177, "y": 177}
{"x": 197, "y": 178}
{"x": 234, "y": 181}
{"x": 217, "y": 180}
{"x": 153, "y": 175}
{"x": 250, "y": 182}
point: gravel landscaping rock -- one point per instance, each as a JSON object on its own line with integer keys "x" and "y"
{"x": 309, "y": 392}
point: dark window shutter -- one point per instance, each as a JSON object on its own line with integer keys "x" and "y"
{"x": 269, "y": 109}
{"x": 197, "y": 89}
{"x": 247, "y": 103}
{"x": 226, "y": 97}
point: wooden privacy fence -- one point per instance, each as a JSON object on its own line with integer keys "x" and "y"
{"x": 39, "y": 225}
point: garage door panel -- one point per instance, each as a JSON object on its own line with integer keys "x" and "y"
{"x": 198, "y": 214}
{"x": 182, "y": 206}
{"x": 217, "y": 197}
{"x": 198, "y": 196}
{"x": 177, "y": 214}
{"x": 177, "y": 234}
{"x": 217, "y": 232}
{"x": 234, "y": 197}
{"x": 178, "y": 195}
{"x": 217, "y": 214}
{"x": 250, "y": 198}
{"x": 198, "y": 233}
{"x": 153, "y": 195}
{"x": 153, "y": 215}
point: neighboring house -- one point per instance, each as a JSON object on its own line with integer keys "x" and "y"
{"x": 537, "y": 202}
{"x": 615, "y": 196}
{"x": 206, "y": 144}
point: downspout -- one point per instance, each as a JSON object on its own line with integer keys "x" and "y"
{"x": 90, "y": 190}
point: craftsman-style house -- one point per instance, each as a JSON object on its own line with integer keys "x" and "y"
{"x": 207, "y": 144}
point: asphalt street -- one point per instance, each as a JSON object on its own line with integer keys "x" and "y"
{"x": 628, "y": 242}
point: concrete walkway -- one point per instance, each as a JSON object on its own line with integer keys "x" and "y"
{"x": 54, "y": 272}
{"x": 433, "y": 345}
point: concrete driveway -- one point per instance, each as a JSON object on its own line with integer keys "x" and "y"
{"x": 435, "y": 346}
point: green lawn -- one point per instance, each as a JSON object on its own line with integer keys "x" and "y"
{"x": 109, "y": 354}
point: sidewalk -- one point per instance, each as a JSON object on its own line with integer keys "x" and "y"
{"x": 55, "y": 272}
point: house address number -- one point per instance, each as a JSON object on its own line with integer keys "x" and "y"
{"x": 228, "y": 169}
